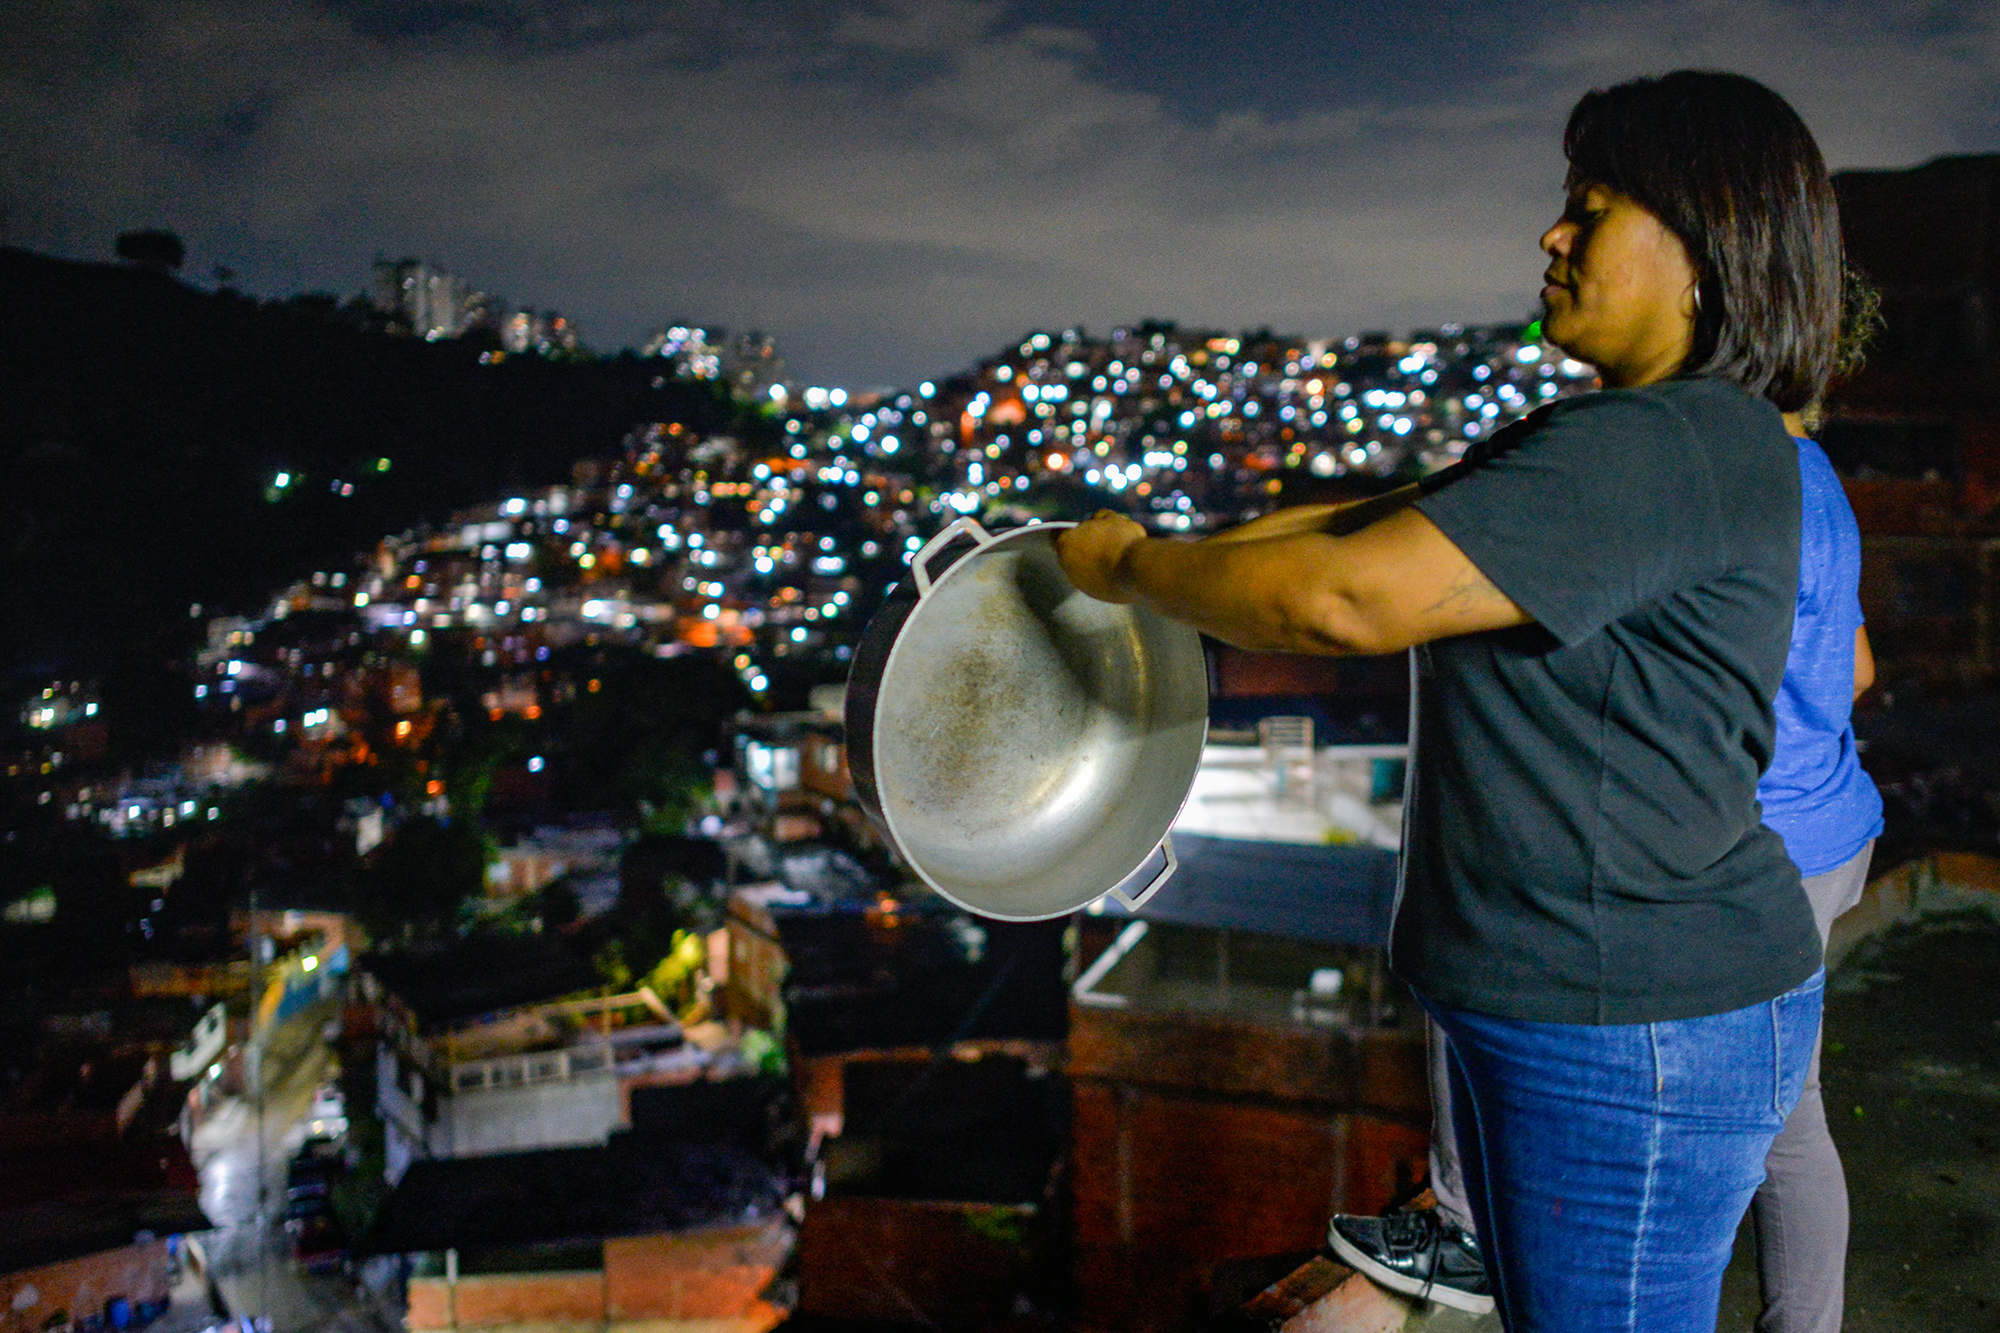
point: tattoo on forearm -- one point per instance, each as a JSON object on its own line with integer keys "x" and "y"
{"x": 1468, "y": 590}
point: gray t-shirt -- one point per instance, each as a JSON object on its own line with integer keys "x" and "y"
{"x": 1584, "y": 840}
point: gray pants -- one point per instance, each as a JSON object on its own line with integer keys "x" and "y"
{"x": 1800, "y": 1211}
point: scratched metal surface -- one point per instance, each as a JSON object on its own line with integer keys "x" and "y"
{"x": 1032, "y": 745}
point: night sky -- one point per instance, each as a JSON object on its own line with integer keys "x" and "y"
{"x": 892, "y": 189}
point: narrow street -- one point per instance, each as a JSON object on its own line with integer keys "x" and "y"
{"x": 242, "y": 1151}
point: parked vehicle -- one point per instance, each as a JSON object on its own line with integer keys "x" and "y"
{"x": 311, "y": 1176}
{"x": 318, "y": 1243}
{"x": 306, "y": 1205}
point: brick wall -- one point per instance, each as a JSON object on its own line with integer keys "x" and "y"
{"x": 430, "y": 1303}
{"x": 1169, "y": 1185}
{"x": 76, "y": 1287}
{"x": 713, "y": 1276}
{"x": 823, "y": 767}
{"x": 1331, "y": 1066}
{"x": 495, "y": 1300}
{"x": 1201, "y": 1138}
{"x": 915, "y": 1261}
{"x": 693, "y": 1275}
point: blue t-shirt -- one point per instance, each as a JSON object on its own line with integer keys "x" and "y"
{"x": 1815, "y": 794}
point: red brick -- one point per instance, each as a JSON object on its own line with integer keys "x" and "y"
{"x": 698, "y": 1275}
{"x": 430, "y": 1303}
{"x": 82, "y": 1285}
{"x": 488, "y": 1300}
{"x": 1969, "y": 870}
{"x": 910, "y": 1261}
{"x": 1167, "y": 1185}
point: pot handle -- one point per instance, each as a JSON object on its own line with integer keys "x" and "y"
{"x": 1133, "y": 902}
{"x": 966, "y": 526}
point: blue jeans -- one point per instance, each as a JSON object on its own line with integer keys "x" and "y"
{"x": 1608, "y": 1167}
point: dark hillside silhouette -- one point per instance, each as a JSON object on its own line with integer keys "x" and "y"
{"x": 144, "y": 425}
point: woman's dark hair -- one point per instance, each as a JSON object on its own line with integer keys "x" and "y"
{"x": 1730, "y": 169}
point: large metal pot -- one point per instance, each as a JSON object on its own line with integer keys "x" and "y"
{"x": 1024, "y": 747}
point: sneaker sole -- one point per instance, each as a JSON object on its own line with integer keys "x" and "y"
{"x": 1469, "y": 1301}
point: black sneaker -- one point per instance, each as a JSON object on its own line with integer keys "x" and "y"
{"x": 1417, "y": 1254}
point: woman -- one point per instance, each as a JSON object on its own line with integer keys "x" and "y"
{"x": 1618, "y": 950}
{"x": 1825, "y": 807}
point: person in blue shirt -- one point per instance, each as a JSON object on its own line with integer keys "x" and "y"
{"x": 1818, "y": 798}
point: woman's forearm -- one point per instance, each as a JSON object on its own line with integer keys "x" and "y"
{"x": 1399, "y": 581}
{"x": 1251, "y": 591}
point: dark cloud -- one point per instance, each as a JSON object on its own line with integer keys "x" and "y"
{"x": 891, "y": 188}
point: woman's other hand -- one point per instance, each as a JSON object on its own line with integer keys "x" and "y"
{"x": 1093, "y": 555}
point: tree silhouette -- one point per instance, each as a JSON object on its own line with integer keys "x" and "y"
{"x": 421, "y": 877}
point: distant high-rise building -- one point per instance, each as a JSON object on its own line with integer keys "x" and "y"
{"x": 484, "y": 312}
{"x": 428, "y": 302}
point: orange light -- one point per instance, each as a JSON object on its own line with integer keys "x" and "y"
{"x": 531, "y": 712}
{"x": 596, "y": 685}
{"x": 434, "y": 787}
{"x": 402, "y": 729}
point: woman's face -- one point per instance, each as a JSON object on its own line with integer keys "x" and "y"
{"x": 1619, "y": 290}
